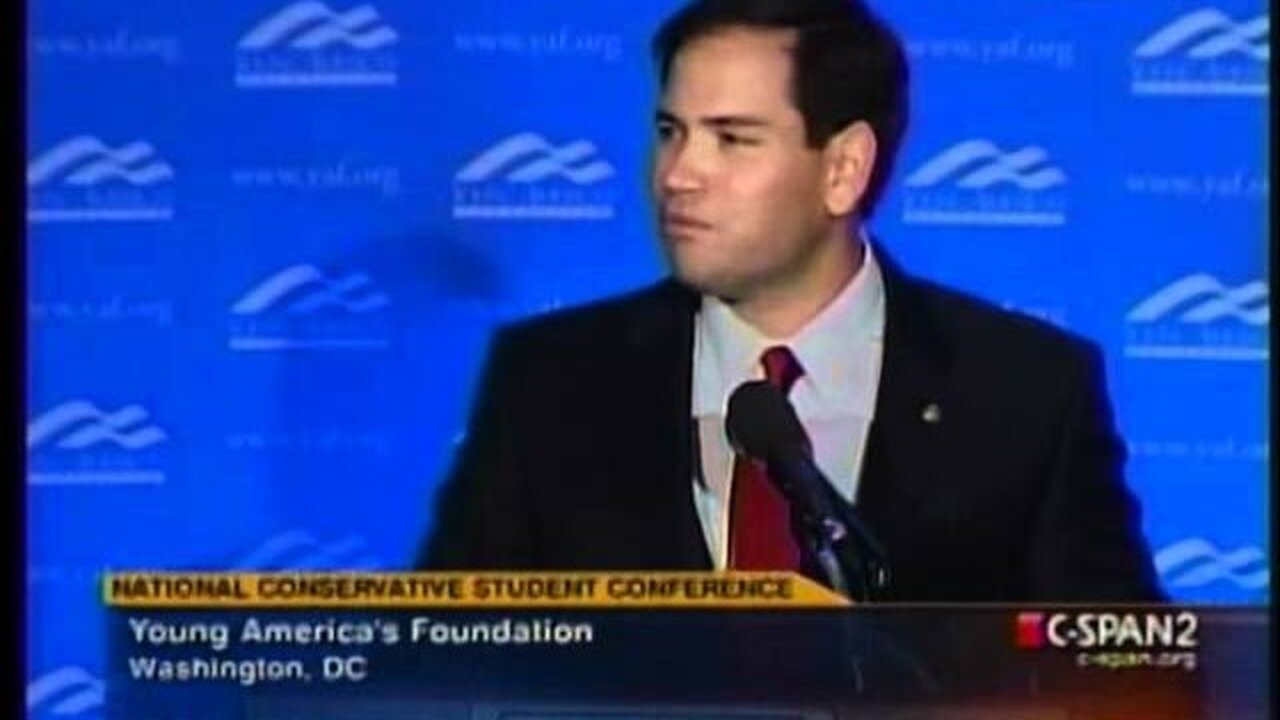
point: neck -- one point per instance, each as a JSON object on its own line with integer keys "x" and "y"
{"x": 782, "y": 311}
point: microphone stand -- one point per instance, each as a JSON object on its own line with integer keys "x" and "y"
{"x": 861, "y": 555}
{"x": 822, "y": 537}
{"x": 857, "y": 566}
{"x": 852, "y": 561}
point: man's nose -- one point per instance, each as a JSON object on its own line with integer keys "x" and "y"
{"x": 682, "y": 171}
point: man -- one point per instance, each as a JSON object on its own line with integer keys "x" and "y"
{"x": 976, "y": 444}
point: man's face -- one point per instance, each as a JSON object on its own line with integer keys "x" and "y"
{"x": 739, "y": 194}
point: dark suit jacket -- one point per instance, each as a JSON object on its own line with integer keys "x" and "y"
{"x": 580, "y": 452}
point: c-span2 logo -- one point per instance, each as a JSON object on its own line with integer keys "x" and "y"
{"x": 300, "y": 307}
{"x": 84, "y": 179}
{"x": 1204, "y": 52}
{"x": 1196, "y": 563}
{"x": 526, "y": 177}
{"x": 68, "y": 692}
{"x": 80, "y": 443}
{"x": 975, "y": 182}
{"x": 309, "y": 44}
{"x": 1198, "y": 317}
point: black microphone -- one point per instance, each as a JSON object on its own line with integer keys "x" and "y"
{"x": 763, "y": 425}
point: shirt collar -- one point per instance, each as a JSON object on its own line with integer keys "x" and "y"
{"x": 830, "y": 348}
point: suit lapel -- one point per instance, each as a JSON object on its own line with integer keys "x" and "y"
{"x": 904, "y": 446}
{"x": 661, "y": 341}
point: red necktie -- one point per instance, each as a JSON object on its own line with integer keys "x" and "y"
{"x": 760, "y": 536}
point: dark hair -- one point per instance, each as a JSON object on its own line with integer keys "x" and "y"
{"x": 848, "y": 65}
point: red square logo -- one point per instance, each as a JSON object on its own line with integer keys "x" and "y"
{"x": 1030, "y": 631}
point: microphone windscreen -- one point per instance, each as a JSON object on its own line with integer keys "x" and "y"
{"x": 760, "y": 422}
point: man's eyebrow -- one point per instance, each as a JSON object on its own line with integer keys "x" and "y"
{"x": 734, "y": 121}
{"x": 667, "y": 116}
{"x": 718, "y": 122}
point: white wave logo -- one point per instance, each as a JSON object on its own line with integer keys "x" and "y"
{"x": 1208, "y": 33}
{"x": 67, "y": 692}
{"x": 304, "y": 289}
{"x": 301, "y": 308}
{"x": 980, "y": 164}
{"x": 1204, "y": 52}
{"x": 1196, "y": 562}
{"x": 1202, "y": 298}
{"x": 530, "y": 158}
{"x": 83, "y": 179}
{"x": 315, "y": 26}
{"x": 308, "y": 44}
{"x": 298, "y": 550}
{"x": 85, "y": 160}
{"x": 526, "y": 177}
{"x": 79, "y": 424}
{"x": 974, "y": 182}
{"x": 1198, "y": 317}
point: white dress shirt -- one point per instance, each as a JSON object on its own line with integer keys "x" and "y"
{"x": 840, "y": 350}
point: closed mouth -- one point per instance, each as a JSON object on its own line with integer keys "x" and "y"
{"x": 684, "y": 223}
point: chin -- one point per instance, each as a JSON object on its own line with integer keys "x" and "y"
{"x": 705, "y": 281}
{"x": 704, "y": 271}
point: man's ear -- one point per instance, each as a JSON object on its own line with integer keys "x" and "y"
{"x": 849, "y": 156}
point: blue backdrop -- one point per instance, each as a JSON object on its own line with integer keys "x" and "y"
{"x": 268, "y": 242}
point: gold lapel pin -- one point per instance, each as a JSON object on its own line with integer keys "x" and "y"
{"x": 932, "y": 414}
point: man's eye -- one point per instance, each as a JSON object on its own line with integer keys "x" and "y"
{"x": 666, "y": 132}
{"x": 734, "y": 139}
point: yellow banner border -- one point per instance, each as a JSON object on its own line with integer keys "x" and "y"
{"x": 496, "y": 590}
